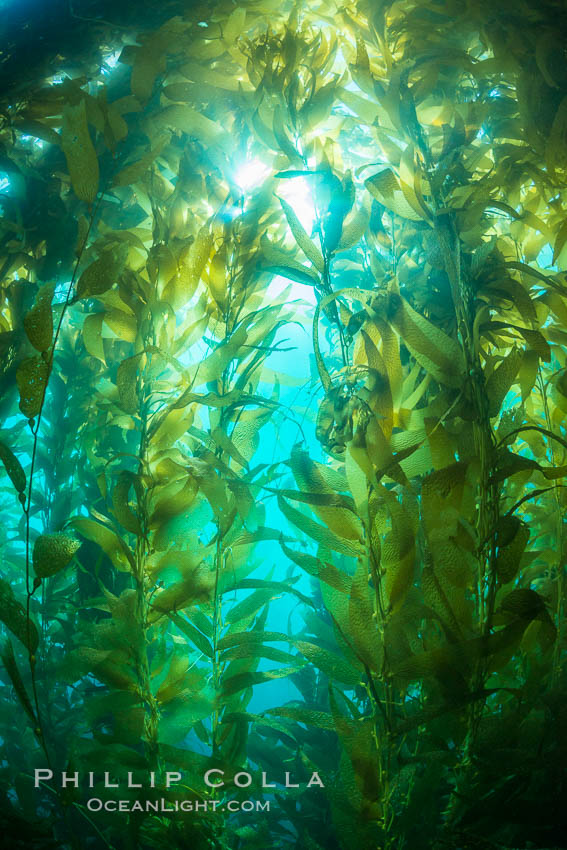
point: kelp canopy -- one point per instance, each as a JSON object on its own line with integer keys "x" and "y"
{"x": 284, "y": 389}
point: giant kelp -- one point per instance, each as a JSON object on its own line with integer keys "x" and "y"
{"x": 168, "y": 467}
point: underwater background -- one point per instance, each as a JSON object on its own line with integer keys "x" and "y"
{"x": 283, "y": 401}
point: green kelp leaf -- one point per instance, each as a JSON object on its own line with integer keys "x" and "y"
{"x": 386, "y": 188}
{"x": 126, "y": 383}
{"x": 79, "y": 151}
{"x": 38, "y": 322}
{"x": 38, "y": 130}
{"x": 528, "y": 372}
{"x": 357, "y": 738}
{"x": 181, "y": 594}
{"x": 510, "y": 463}
{"x": 501, "y": 380}
{"x": 107, "y": 539}
{"x": 446, "y": 493}
{"x": 101, "y": 275}
{"x": 226, "y": 444}
{"x": 52, "y": 553}
{"x": 149, "y": 61}
{"x": 301, "y": 236}
{"x": 437, "y": 593}
{"x": 298, "y": 275}
{"x": 248, "y": 607}
{"x": 523, "y": 603}
{"x": 31, "y": 378}
{"x": 271, "y": 653}
{"x": 120, "y": 504}
{"x": 108, "y": 666}
{"x": 195, "y": 636}
{"x": 234, "y": 25}
{"x": 180, "y": 715}
{"x": 560, "y": 240}
{"x": 512, "y": 537}
{"x": 318, "y": 719}
{"x": 439, "y": 354}
{"x": 354, "y": 229}
{"x": 447, "y": 663}
{"x": 335, "y": 667}
{"x": 278, "y": 586}
{"x": 194, "y": 124}
{"x": 92, "y": 335}
{"x": 13, "y": 615}
{"x": 284, "y": 729}
{"x": 11, "y": 665}
{"x": 13, "y": 467}
{"x": 135, "y": 170}
{"x": 310, "y": 479}
{"x": 324, "y": 571}
{"x": 365, "y": 639}
{"x": 251, "y": 639}
{"x": 398, "y": 555}
{"x": 182, "y": 676}
{"x": 319, "y": 533}
{"x": 241, "y": 681}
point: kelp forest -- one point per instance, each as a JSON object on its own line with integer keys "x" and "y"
{"x": 283, "y": 330}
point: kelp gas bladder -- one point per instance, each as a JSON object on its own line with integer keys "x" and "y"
{"x": 284, "y": 399}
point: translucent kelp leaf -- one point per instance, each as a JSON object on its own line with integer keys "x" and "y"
{"x": 92, "y": 336}
{"x": 261, "y": 651}
{"x": 319, "y": 533}
{"x": 318, "y": 719}
{"x": 436, "y": 593}
{"x": 135, "y": 171}
{"x": 502, "y": 379}
{"x": 52, "y": 553}
{"x": 251, "y": 638}
{"x": 100, "y": 275}
{"x": 124, "y": 326}
{"x": 126, "y": 383}
{"x": 110, "y": 670}
{"x": 302, "y": 238}
{"x": 326, "y": 572}
{"x": 181, "y": 594}
{"x": 31, "y": 377}
{"x": 333, "y": 665}
{"x": 298, "y": 275}
{"x": 191, "y": 122}
{"x": 38, "y": 130}
{"x": 173, "y": 499}
{"x": 38, "y": 322}
{"x": 309, "y": 479}
{"x": 398, "y": 555}
{"x": 13, "y": 467}
{"x": 241, "y": 681}
{"x": 107, "y": 539}
{"x": 13, "y": 615}
{"x": 443, "y": 493}
{"x": 248, "y": 607}
{"x": 432, "y": 348}
{"x": 354, "y": 229}
{"x": 120, "y": 505}
{"x": 385, "y": 187}
{"x": 10, "y": 663}
{"x": 149, "y": 61}
{"x": 512, "y": 539}
{"x": 363, "y": 632}
{"x": 79, "y": 151}
{"x": 234, "y": 25}
{"x": 195, "y": 636}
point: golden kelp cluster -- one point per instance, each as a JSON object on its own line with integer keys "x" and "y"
{"x": 372, "y": 193}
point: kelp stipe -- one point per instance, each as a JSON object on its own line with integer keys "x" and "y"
{"x": 387, "y": 177}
